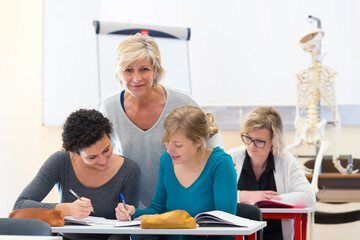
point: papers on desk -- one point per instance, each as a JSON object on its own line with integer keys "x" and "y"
{"x": 91, "y": 221}
{"x": 220, "y": 218}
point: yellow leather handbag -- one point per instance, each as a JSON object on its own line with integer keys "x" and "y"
{"x": 173, "y": 219}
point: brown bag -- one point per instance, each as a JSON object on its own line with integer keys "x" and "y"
{"x": 54, "y": 218}
{"x": 173, "y": 219}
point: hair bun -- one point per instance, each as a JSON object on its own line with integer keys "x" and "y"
{"x": 213, "y": 129}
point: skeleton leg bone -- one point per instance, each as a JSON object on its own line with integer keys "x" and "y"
{"x": 324, "y": 144}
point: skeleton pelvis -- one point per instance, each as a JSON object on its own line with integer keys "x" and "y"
{"x": 309, "y": 133}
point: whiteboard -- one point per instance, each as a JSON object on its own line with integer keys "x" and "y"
{"x": 172, "y": 42}
{"x": 79, "y": 58}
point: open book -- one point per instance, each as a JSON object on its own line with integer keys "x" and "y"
{"x": 221, "y": 219}
{"x": 273, "y": 204}
{"x": 91, "y": 221}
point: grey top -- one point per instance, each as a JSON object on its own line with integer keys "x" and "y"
{"x": 58, "y": 170}
{"x": 145, "y": 147}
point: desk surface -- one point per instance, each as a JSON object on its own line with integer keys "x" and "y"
{"x": 334, "y": 175}
{"x": 288, "y": 210}
{"x": 23, "y": 237}
{"x": 103, "y": 229}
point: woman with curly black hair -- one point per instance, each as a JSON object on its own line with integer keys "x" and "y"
{"x": 88, "y": 167}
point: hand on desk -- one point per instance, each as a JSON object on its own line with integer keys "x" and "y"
{"x": 122, "y": 214}
{"x": 252, "y": 197}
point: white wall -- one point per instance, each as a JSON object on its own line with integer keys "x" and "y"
{"x": 25, "y": 143}
{"x": 238, "y": 49}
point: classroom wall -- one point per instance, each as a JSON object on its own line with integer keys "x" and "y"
{"x": 251, "y": 46}
{"x": 25, "y": 143}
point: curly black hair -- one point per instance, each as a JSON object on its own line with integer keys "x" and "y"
{"x": 83, "y": 128}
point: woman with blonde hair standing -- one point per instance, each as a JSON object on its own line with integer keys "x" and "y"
{"x": 265, "y": 171}
{"x": 138, "y": 112}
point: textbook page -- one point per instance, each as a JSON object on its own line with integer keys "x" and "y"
{"x": 223, "y": 218}
{"x": 101, "y": 221}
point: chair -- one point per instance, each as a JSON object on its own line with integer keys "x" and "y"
{"x": 250, "y": 212}
{"x": 24, "y": 226}
{"x": 337, "y": 218}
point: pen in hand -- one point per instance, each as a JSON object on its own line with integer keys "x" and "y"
{"x": 77, "y": 196}
{"x": 123, "y": 200}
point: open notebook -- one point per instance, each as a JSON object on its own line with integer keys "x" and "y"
{"x": 101, "y": 221}
{"x": 220, "y": 218}
{"x": 273, "y": 204}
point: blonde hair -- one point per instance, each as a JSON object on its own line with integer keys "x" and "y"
{"x": 268, "y": 118}
{"x": 137, "y": 47}
{"x": 192, "y": 122}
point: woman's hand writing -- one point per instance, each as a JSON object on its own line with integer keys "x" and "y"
{"x": 81, "y": 208}
{"x": 122, "y": 214}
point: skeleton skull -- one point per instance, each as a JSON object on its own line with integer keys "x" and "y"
{"x": 310, "y": 41}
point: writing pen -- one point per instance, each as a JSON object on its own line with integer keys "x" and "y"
{"x": 123, "y": 200}
{"x": 77, "y": 196}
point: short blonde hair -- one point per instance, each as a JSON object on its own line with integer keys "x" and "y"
{"x": 268, "y": 118}
{"x": 137, "y": 47}
{"x": 192, "y": 122}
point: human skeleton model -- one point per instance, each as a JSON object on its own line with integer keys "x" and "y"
{"x": 316, "y": 84}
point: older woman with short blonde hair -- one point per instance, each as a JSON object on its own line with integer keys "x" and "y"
{"x": 138, "y": 112}
{"x": 268, "y": 118}
{"x": 265, "y": 171}
{"x": 136, "y": 48}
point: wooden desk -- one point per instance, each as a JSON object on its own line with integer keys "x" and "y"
{"x": 23, "y": 237}
{"x": 103, "y": 229}
{"x": 298, "y": 214}
{"x": 336, "y": 187}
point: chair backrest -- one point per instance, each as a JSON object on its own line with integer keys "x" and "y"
{"x": 337, "y": 218}
{"x": 24, "y": 226}
{"x": 250, "y": 212}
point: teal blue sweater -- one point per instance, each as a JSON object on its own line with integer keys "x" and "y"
{"x": 214, "y": 189}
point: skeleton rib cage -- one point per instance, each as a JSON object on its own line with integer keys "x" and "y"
{"x": 315, "y": 84}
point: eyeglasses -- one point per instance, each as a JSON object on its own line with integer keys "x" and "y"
{"x": 248, "y": 140}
